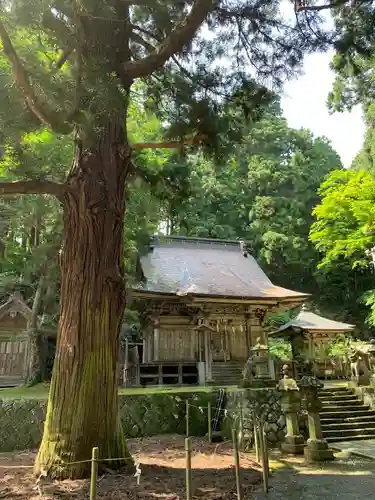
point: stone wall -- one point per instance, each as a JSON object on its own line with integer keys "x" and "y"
{"x": 265, "y": 404}
{"x": 22, "y": 421}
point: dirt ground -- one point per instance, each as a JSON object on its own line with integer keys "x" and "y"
{"x": 162, "y": 464}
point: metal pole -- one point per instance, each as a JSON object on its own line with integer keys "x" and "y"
{"x": 237, "y": 464}
{"x": 94, "y": 473}
{"x": 209, "y": 422}
{"x": 189, "y": 495}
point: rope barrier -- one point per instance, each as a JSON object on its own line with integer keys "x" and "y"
{"x": 65, "y": 464}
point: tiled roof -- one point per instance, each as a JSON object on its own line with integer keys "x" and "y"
{"x": 307, "y": 320}
{"x": 197, "y": 266}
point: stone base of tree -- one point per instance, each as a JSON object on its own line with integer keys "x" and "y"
{"x": 317, "y": 450}
{"x": 293, "y": 445}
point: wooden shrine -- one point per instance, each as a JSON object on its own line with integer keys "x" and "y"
{"x": 14, "y": 341}
{"x": 309, "y": 335}
{"x": 205, "y": 302}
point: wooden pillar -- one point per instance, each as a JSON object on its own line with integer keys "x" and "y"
{"x": 208, "y": 355}
{"x": 156, "y": 344}
{"x": 126, "y": 363}
{"x": 193, "y": 342}
{"x": 145, "y": 349}
{"x": 248, "y": 334}
{"x": 311, "y": 345}
{"x": 150, "y": 347}
{"x": 156, "y": 332}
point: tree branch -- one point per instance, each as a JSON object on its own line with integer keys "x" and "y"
{"x": 179, "y": 37}
{"x": 302, "y": 5}
{"x": 134, "y": 37}
{"x": 149, "y": 3}
{"x": 199, "y": 139}
{"x": 31, "y": 187}
{"x": 48, "y": 117}
{"x": 62, "y": 59}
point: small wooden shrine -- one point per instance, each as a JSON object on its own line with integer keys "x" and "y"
{"x": 205, "y": 302}
{"x": 14, "y": 341}
{"x": 309, "y": 335}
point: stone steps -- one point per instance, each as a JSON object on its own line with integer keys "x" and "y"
{"x": 328, "y": 408}
{"x": 339, "y": 398}
{"x": 344, "y": 417}
{"x": 359, "y": 437}
{"x": 339, "y": 426}
{"x": 344, "y": 433}
{"x": 346, "y": 414}
{"x": 348, "y": 420}
{"x": 226, "y": 373}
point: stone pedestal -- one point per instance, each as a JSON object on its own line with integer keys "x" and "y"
{"x": 291, "y": 404}
{"x": 362, "y": 380}
{"x": 316, "y": 449}
{"x": 293, "y": 441}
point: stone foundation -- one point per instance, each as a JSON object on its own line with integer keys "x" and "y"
{"x": 22, "y": 420}
{"x": 266, "y": 404}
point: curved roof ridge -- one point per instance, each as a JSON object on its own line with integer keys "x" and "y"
{"x": 177, "y": 265}
{"x": 307, "y": 320}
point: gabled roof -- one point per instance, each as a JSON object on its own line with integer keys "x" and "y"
{"x": 14, "y": 305}
{"x": 310, "y": 321}
{"x": 203, "y": 267}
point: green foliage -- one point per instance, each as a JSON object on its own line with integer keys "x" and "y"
{"x": 342, "y": 346}
{"x": 264, "y": 193}
{"x": 280, "y": 349}
{"x": 344, "y": 226}
{"x": 344, "y": 232}
{"x": 84, "y": 57}
{"x": 276, "y": 320}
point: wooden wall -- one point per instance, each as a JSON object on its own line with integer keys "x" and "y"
{"x": 13, "y": 355}
{"x": 14, "y": 348}
{"x": 179, "y": 345}
{"x": 238, "y": 341}
{"x": 178, "y": 340}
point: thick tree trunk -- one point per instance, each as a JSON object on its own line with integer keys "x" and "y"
{"x": 35, "y": 337}
{"x": 83, "y": 407}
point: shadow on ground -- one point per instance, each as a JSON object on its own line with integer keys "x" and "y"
{"x": 347, "y": 478}
{"x": 157, "y": 482}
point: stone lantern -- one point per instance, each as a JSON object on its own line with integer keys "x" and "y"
{"x": 291, "y": 405}
{"x": 372, "y": 360}
{"x": 260, "y": 360}
{"x": 317, "y": 448}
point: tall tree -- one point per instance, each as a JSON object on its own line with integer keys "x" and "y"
{"x": 344, "y": 232}
{"x": 264, "y": 193}
{"x": 78, "y": 82}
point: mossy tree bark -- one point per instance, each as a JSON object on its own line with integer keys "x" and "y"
{"x": 83, "y": 404}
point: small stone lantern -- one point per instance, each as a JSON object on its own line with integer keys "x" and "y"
{"x": 317, "y": 448}
{"x": 371, "y": 360}
{"x": 260, "y": 359}
{"x": 291, "y": 405}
